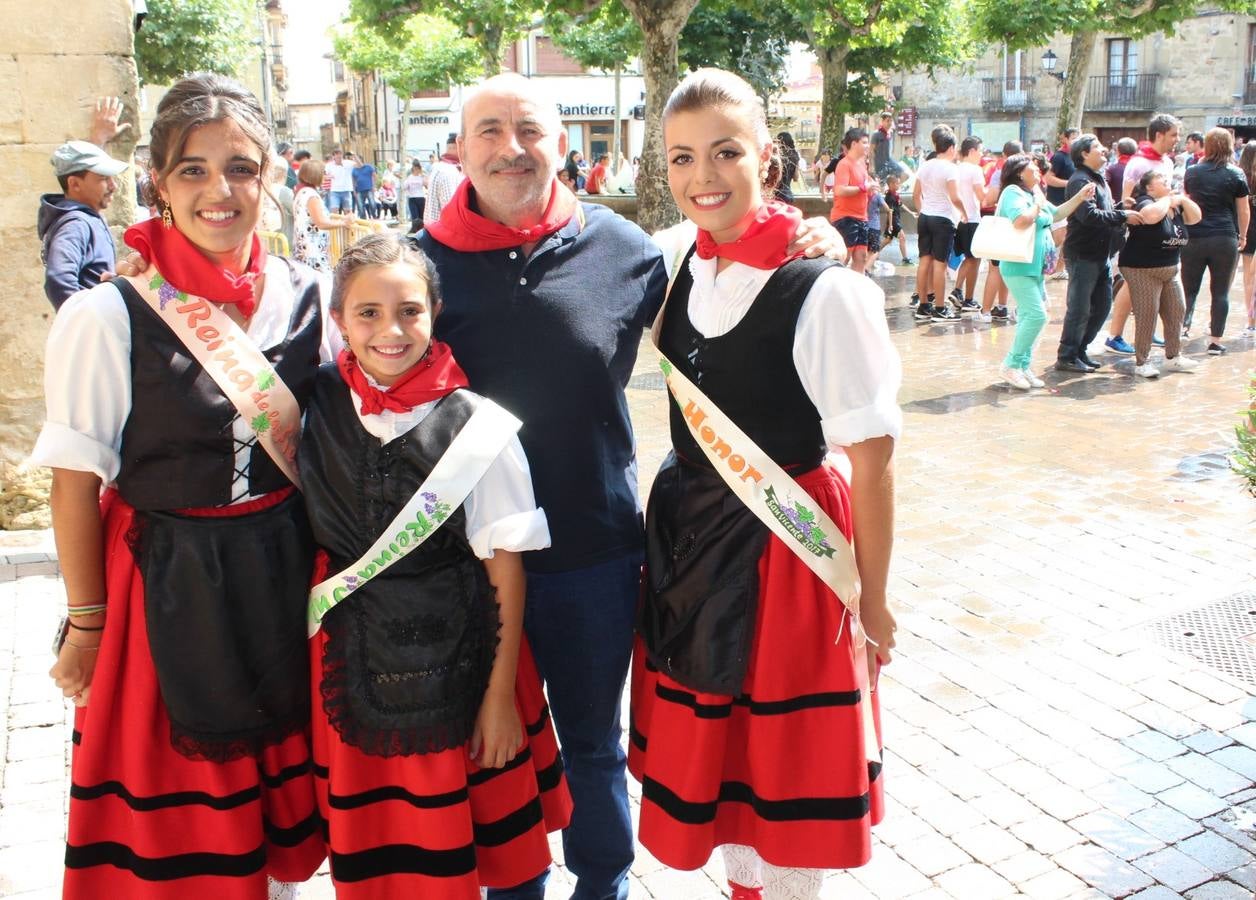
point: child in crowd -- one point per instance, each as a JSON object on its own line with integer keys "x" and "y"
{"x": 876, "y": 205}
{"x": 894, "y": 203}
{"x": 742, "y": 702}
{"x": 437, "y": 770}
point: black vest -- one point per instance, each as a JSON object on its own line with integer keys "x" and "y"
{"x": 408, "y": 655}
{"x": 177, "y": 448}
{"x": 749, "y": 372}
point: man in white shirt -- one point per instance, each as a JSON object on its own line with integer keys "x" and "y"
{"x": 443, "y": 180}
{"x": 936, "y": 195}
{"x": 972, "y": 188}
{"x": 340, "y": 195}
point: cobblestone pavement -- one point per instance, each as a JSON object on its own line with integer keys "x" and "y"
{"x": 1041, "y": 737}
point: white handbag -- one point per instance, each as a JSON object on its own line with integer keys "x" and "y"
{"x": 998, "y": 238}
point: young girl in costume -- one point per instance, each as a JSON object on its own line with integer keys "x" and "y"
{"x": 185, "y": 653}
{"x": 437, "y": 769}
{"x": 748, "y": 730}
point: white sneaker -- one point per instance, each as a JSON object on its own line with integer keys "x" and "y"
{"x": 1034, "y": 380}
{"x": 1181, "y": 363}
{"x": 1146, "y": 370}
{"x": 985, "y": 317}
{"x": 1015, "y": 377}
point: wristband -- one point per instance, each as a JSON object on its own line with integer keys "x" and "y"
{"x": 85, "y": 628}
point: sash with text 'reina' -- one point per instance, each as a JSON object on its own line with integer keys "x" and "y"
{"x": 235, "y": 363}
{"x": 478, "y": 443}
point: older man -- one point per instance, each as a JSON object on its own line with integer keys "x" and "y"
{"x": 546, "y": 318}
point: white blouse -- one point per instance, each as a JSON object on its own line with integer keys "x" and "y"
{"x": 87, "y": 375}
{"x": 842, "y": 349}
{"x": 501, "y": 509}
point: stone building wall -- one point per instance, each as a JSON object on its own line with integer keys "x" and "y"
{"x": 1200, "y": 64}
{"x": 54, "y": 63}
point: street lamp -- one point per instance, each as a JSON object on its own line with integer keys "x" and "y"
{"x": 1049, "y": 59}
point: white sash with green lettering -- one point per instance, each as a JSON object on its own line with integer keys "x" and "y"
{"x": 479, "y": 442}
{"x": 236, "y": 365}
{"x": 781, "y": 504}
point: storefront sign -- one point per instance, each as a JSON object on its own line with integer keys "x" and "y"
{"x": 429, "y": 120}
{"x": 585, "y": 110}
{"x": 1237, "y": 121}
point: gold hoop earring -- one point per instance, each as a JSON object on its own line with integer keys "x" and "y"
{"x": 167, "y": 220}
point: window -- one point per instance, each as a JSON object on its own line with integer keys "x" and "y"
{"x": 1249, "y": 92}
{"x": 1122, "y": 61}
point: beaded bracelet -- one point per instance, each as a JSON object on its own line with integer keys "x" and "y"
{"x": 85, "y": 610}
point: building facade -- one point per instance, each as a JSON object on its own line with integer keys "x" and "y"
{"x": 586, "y": 101}
{"x": 1204, "y": 73}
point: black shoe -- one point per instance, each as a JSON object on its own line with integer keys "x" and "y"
{"x": 945, "y": 314}
{"x": 999, "y": 313}
{"x": 970, "y": 307}
{"x": 956, "y": 298}
{"x": 924, "y": 312}
{"x": 933, "y": 301}
{"x": 1088, "y": 362}
{"x": 1072, "y": 365}
{"x": 1215, "y": 349}
{"x": 914, "y": 301}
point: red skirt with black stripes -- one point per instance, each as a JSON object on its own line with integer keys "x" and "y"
{"x": 782, "y": 767}
{"x": 146, "y": 822}
{"x": 435, "y": 825}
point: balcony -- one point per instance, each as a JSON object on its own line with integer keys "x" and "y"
{"x": 1006, "y": 94}
{"x": 1122, "y": 93}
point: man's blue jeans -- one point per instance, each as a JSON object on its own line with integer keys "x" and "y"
{"x": 364, "y": 203}
{"x": 579, "y": 624}
{"x": 340, "y": 201}
{"x": 1089, "y": 302}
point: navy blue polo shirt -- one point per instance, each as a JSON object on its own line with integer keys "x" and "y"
{"x": 553, "y": 338}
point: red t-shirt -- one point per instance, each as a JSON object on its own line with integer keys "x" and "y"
{"x": 850, "y": 174}
{"x": 597, "y": 178}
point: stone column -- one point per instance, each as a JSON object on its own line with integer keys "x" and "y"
{"x": 57, "y": 60}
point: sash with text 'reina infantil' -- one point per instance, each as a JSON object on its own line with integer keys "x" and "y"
{"x": 782, "y": 505}
{"x": 459, "y": 469}
{"x": 235, "y": 363}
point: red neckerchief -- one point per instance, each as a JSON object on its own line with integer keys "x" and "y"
{"x": 189, "y": 270}
{"x": 431, "y": 378}
{"x": 462, "y": 228}
{"x": 1123, "y": 158}
{"x": 1147, "y": 151}
{"x": 1199, "y": 156}
{"x": 452, "y": 160}
{"x": 763, "y": 244}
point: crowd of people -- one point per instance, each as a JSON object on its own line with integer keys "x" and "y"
{"x": 323, "y": 540}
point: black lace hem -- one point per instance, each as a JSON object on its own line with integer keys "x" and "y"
{"x": 219, "y": 749}
{"x": 431, "y": 729}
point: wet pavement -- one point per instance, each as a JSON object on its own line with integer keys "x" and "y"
{"x": 1070, "y": 712}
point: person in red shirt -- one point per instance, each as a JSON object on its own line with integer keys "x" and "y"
{"x": 597, "y": 176}
{"x": 850, "y": 197}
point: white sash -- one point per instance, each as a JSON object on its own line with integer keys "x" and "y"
{"x": 460, "y": 468}
{"x": 236, "y": 365}
{"x": 781, "y": 504}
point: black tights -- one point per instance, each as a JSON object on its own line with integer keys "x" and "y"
{"x": 1219, "y": 254}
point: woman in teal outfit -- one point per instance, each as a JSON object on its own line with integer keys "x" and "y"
{"x": 1021, "y": 201}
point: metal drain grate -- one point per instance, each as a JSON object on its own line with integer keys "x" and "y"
{"x": 1203, "y": 466}
{"x": 648, "y": 381}
{"x": 1222, "y": 635}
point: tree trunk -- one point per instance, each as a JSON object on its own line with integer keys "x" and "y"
{"x": 1073, "y": 91}
{"x": 833, "y": 106}
{"x": 489, "y": 40}
{"x": 661, "y": 22}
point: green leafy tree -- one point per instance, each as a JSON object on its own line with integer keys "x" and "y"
{"x": 862, "y": 37}
{"x": 427, "y": 53}
{"x": 490, "y": 24}
{"x": 1024, "y": 26}
{"x": 180, "y": 37}
{"x": 752, "y": 41}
